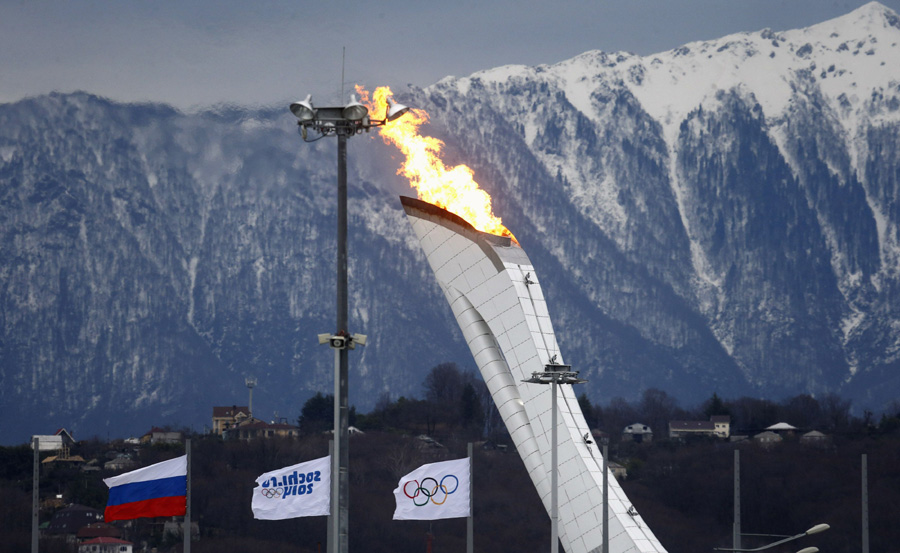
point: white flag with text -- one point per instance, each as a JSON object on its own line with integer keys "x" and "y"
{"x": 302, "y": 490}
{"x": 434, "y": 491}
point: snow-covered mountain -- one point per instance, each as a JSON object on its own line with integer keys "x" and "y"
{"x": 751, "y": 181}
{"x": 722, "y": 217}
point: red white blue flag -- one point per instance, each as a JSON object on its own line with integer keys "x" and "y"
{"x": 159, "y": 490}
{"x": 434, "y": 491}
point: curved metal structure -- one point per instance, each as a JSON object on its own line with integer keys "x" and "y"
{"x": 496, "y": 297}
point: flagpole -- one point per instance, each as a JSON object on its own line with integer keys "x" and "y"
{"x": 605, "y": 547}
{"x": 336, "y": 460}
{"x": 187, "y": 511}
{"x": 470, "y": 521}
{"x": 329, "y": 539}
{"x": 35, "y": 495}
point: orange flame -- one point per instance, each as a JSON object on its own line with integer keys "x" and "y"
{"x": 453, "y": 189}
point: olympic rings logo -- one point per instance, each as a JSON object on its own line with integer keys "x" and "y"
{"x": 271, "y": 493}
{"x": 425, "y": 491}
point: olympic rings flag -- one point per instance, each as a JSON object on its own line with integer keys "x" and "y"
{"x": 302, "y": 490}
{"x": 434, "y": 491}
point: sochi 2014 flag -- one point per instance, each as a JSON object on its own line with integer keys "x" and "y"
{"x": 159, "y": 490}
{"x": 434, "y": 491}
{"x": 302, "y": 490}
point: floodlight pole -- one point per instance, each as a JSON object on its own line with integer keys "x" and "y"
{"x": 554, "y": 477}
{"x": 342, "y": 422}
{"x": 554, "y": 374}
{"x": 343, "y": 122}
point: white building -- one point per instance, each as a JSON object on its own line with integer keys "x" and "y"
{"x": 637, "y": 432}
{"x": 59, "y": 441}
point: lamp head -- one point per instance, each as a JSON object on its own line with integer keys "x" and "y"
{"x": 395, "y": 111}
{"x": 303, "y": 110}
{"x": 817, "y": 528}
{"x": 354, "y": 111}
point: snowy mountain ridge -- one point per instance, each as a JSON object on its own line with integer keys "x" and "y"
{"x": 856, "y": 51}
{"x": 819, "y": 96}
{"x": 714, "y": 218}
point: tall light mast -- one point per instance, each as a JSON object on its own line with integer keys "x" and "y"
{"x": 250, "y": 382}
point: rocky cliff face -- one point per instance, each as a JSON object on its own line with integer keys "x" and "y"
{"x": 728, "y": 205}
{"x": 152, "y": 260}
{"x": 722, "y": 217}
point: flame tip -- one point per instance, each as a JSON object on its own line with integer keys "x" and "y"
{"x": 454, "y": 188}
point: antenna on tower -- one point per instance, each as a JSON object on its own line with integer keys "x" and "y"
{"x": 250, "y": 382}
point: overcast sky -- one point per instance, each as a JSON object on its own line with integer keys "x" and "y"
{"x": 195, "y": 53}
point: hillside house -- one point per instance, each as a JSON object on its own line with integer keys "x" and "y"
{"x": 618, "y": 471}
{"x": 99, "y": 530}
{"x": 637, "y": 432}
{"x": 105, "y": 545}
{"x": 767, "y": 438}
{"x": 815, "y": 438}
{"x": 224, "y": 418}
{"x": 251, "y": 428}
{"x": 161, "y": 436}
{"x": 121, "y": 462}
{"x": 73, "y": 518}
{"x": 679, "y": 430}
{"x": 722, "y": 424}
{"x": 783, "y": 429}
{"x": 59, "y": 441}
{"x": 715, "y": 427}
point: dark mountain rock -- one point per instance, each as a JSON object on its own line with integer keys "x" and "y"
{"x": 738, "y": 236}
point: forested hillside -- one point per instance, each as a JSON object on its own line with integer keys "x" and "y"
{"x": 684, "y": 490}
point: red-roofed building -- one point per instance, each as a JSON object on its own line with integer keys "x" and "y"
{"x": 105, "y": 545}
{"x": 99, "y": 530}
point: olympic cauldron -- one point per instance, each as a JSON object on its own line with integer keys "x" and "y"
{"x": 495, "y": 295}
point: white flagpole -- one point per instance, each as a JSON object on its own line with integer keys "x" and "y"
{"x": 605, "y": 542}
{"x": 470, "y": 521}
{"x": 187, "y": 512}
{"x": 329, "y": 532}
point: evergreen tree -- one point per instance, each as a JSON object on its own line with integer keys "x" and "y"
{"x": 714, "y": 406}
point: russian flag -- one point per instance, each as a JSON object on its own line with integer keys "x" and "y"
{"x": 159, "y": 490}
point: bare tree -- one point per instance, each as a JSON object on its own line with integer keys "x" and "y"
{"x": 444, "y": 384}
{"x": 835, "y": 413}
